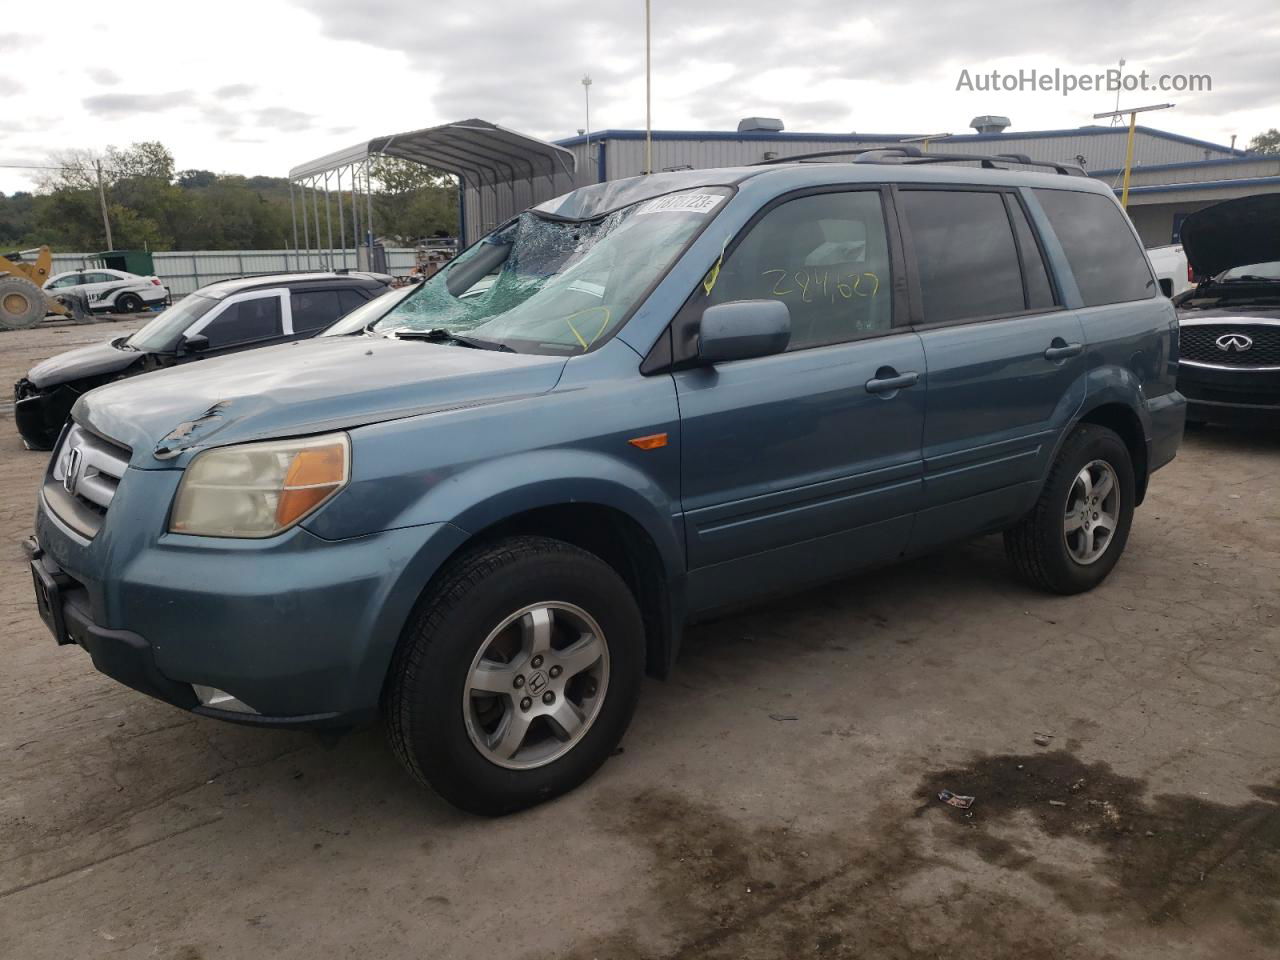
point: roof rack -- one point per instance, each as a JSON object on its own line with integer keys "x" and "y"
{"x": 913, "y": 155}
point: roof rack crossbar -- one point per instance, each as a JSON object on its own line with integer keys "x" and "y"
{"x": 905, "y": 153}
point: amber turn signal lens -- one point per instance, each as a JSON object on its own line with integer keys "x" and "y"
{"x": 312, "y": 476}
{"x": 652, "y": 442}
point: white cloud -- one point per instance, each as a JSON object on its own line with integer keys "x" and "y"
{"x": 310, "y": 77}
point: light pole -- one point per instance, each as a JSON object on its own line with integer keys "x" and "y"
{"x": 1116, "y": 118}
{"x": 648, "y": 115}
{"x": 586, "y": 96}
{"x": 1128, "y": 150}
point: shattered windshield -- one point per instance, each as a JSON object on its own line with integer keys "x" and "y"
{"x": 540, "y": 285}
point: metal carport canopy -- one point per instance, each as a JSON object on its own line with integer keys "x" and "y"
{"x": 479, "y": 152}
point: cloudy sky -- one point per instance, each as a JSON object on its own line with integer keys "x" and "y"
{"x": 256, "y": 87}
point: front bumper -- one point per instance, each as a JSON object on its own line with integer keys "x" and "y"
{"x": 40, "y": 414}
{"x": 1230, "y": 396}
{"x": 299, "y": 629}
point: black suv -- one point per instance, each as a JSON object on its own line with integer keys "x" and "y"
{"x": 223, "y": 317}
{"x": 1229, "y": 369}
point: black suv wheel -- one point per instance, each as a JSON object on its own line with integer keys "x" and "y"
{"x": 1077, "y": 530}
{"x": 517, "y": 676}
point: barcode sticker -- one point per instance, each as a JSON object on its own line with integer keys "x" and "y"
{"x": 681, "y": 203}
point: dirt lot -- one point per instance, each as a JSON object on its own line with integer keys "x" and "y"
{"x": 776, "y": 797}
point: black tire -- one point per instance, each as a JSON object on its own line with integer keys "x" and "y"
{"x": 423, "y": 708}
{"x": 129, "y": 303}
{"x": 22, "y": 303}
{"x": 1037, "y": 547}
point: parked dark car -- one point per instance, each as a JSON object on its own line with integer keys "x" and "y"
{"x": 224, "y": 317}
{"x": 1229, "y": 365}
{"x": 644, "y": 402}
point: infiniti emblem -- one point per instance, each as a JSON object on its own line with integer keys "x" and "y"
{"x": 1234, "y": 343}
{"x": 71, "y": 468}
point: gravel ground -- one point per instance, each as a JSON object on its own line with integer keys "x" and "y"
{"x": 776, "y": 797}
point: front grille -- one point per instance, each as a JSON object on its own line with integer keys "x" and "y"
{"x": 1200, "y": 344}
{"x": 85, "y": 471}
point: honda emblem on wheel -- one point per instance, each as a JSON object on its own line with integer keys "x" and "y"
{"x": 1234, "y": 343}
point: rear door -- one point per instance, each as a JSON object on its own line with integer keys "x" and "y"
{"x": 802, "y": 466}
{"x": 95, "y": 284}
{"x": 315, "y": 309}
{"x": 1005, "y": 359}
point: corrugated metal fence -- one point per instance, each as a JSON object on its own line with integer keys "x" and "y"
{"x": 184, "y": 271}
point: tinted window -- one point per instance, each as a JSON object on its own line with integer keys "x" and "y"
{"x": 71, "y": 281}
{"x": 247, "y": 320}
{"x": 1039, "y": 292}
{"x": 967, "y": 262}
{"x": 825, "y": 257}
{"x": 314, "y": 309}
{"x": 97, "y": 278}
{"x": 350, "y": 299}
{"x": 1104, "y": 255}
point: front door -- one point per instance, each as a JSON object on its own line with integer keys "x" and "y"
{"x": 1005, "y": 361}
{"x": 805, "y": 465}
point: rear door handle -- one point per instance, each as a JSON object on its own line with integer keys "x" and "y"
{"x": 892, "y": 381}
{"x": 1061, "y": 350}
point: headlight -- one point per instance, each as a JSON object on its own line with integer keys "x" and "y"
{"x": 259, "y": 489}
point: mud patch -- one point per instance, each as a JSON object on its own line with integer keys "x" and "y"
{"x": 726, "y": 890}
{"x": 914, "y": 880}
{"x": 1175, "y": 858}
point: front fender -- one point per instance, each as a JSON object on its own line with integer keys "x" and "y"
{"x": 487, "y": 492}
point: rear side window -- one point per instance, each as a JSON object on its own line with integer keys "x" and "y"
{"x": 1039, "y": 292}
{"x": 825, "y": 256}
{"x": 1104, "y": 255}
{"x": 314, "y": 309}
{"x": 243, "y": 322}
{"x": 350, "y": 299}
{"x": 965, "y": 254}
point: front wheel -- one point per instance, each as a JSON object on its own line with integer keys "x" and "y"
{"x": 517, "y": 676}
{"x": 1076, "y": 532}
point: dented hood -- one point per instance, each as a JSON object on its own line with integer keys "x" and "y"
{"x": 1232, "y": 233}
{"x": 300, "y": 388}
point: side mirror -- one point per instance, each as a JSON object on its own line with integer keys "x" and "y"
{"x": 743, "y": 329}
{"x": 1166, "y": 286}
{"x": 195, "y": 343}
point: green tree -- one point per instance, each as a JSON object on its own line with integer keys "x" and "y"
{"x": 412, "y": 201}
{"x": 190, "y": 179}
{"x": 1266, "y": 142}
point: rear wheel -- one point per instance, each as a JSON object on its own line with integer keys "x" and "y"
{"x": 517, "y": 676}
{"x": 1077, "y": 530}
{"x": 129, "y": 303}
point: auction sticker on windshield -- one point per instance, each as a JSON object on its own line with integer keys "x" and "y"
{"x": 681, "y": 203}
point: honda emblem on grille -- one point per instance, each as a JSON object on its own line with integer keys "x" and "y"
{"x": 1234, "y": 343}
{"x": 71, "y": 462}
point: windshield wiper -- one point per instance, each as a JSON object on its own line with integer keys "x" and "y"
{"x": 440, "y": 335}
{"x": 1252, "y": 278}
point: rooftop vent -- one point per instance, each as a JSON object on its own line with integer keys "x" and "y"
{"x": 989, "y": 124}
{"x": 757, "y": 124}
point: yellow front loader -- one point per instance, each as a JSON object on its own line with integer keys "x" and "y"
{"x": 23, "y": 301}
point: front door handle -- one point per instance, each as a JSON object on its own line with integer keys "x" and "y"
{"x": 1059, "y": 349}
{"x": 888, "y": 380}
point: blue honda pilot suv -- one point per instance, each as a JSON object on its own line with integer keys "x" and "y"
{"x": 486, "y": 515}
